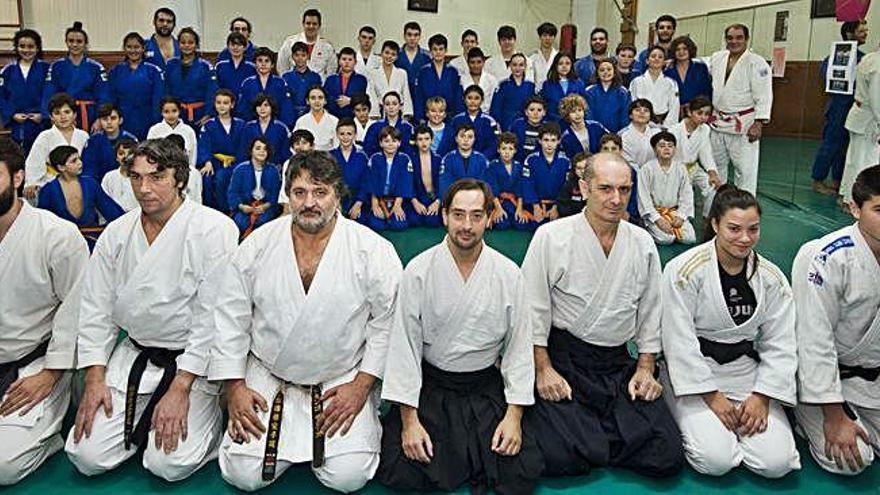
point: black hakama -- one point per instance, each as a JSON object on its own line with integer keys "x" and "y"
{"x": 601, "y": 426}
{"x": 460, "y": 411}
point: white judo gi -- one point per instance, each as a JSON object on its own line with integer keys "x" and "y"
{"x": 41, "y": 259}
{"x": 694, "y": 307}
{"x": 863, "y": 123}
{"x": 378, "y": 86}
{"x": 160, "y": 294}
{"x": 661, "y": 92}
{"x": 541, "y": 67}
{"x": 274, "y": 335}
{"x": 637, "y": 150}
{"x": 118, "y": 187}
{"x": 322, "y": 59}
{"x": 35, "y": 166}
{"x": 739, "y": 100}
{"x": 835, "y": 281}
{"x": 323, "y": 131}
{"x": 695, "y": 151}
{"x": 664, "y": 193}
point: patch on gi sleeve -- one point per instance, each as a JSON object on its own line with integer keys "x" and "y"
{"x": 841, "y": 243}
{"x": 763, "y": 72}
{"x": 814, "y": 278}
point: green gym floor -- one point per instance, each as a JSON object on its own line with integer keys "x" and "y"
{"x": 792, "y": 214}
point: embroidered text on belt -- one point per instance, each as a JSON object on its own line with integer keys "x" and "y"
{"x": 9, "y": 371}
{"x": 163, "y": 358}
{"x": 731, "y": 117}
{"x": 273, "y": 433}
{"x": 226, "y": 160}
{"x": 191, "y": 109}
{"x": 83, "y": 107}
{"x": 724, "y": 353}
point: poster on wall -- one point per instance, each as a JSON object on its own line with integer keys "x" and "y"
{"x": 778, "y": 61}
{"x": 841, "y": 71}
{"x": 780, "y": 31}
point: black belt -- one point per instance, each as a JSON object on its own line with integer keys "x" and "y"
{"x": 273, "y": 435}
{"x": 9, "y": 371}
{"x": 869, "y": 374}
{"x": 163, "y": 358}
{"x": 726, "y": 353}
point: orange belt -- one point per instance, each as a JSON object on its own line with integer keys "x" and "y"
{"x": 252, "y": 220}
{"x": 191, "y": 109}
{"x": 83, "y": 106}
{"x": 668, "y": 213}
{"x": 508, "y": 196}
{"x": 91, "y": 233}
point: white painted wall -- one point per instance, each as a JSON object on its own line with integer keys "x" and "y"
{"x": 107, "y": 21}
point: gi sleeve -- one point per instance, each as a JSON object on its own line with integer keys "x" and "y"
{"x": 68, "y": 261}
{"x": 647, "y": 337}
{"x": 97, "y": 332}
{"x": 386, "y": 271}
{"x": 704, "y": 153}
{"x": 536, "y": 277}
{"x": 777, "y": 343}
{"x": 518, "y": 358}
{"x": 817, "y": 292}
{"x": 645, "y": 197}
{"x": 685, "y": 193}
{"x": 221, "y": 243}
{"x": 232, "y": 317}
{"x": 688, "y": 370}
{"x": 402, "y": 380}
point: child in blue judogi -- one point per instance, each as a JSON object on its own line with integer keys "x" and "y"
{"x": 391, "y": 183}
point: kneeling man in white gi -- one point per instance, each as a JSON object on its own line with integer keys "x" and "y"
{"x": 41, "y": 258}
{"x": 303, "y": 318}
{"x": 729, "y": 342}
{"x": 457, "y": 417}
{"x": 150, "y": 275}
{"x": 593, "y": 285}
{"x": 835, "y": 281}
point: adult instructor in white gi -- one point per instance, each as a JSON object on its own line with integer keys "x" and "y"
{"x": 150, "y": 276}
{"x": 41, "y": 258}
{"x": 742, "y": 96}
{"x": 303, "y": 320}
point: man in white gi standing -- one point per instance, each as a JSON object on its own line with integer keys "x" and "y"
{"x": 322, "y": 57}
{"x": 742, "y": 96}
{"x": 835, "y": 281}
{"x": 303, "y": 318}
{"x": 457, "y": 415}
{"x": 593, "y": 285}
{"x": 41, "y": 258}
{"x": 150, "y": 275}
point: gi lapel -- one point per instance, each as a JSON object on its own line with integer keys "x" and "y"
{"x": 867, "y": 351}
{"x": 16, "y": 237}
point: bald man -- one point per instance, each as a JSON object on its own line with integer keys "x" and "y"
{"x": 596, "y": 405}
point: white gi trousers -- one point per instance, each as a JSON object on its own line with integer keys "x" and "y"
{"x": 27, "y": 441}
{"x": 688, "y": 235}
{"x": 862, "y": 152}
{"x": 350, "y": 461}
{"x": 811, "y": 425}
{"x": 735, "y": 148}
{"x": 712, "y": 449}
{"x": 105, "y": 450}
{"x": 700, "y": 181}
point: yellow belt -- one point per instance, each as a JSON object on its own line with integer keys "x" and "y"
{"x": 226, "y": 160}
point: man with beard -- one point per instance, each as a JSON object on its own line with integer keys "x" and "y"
{"x": 303, "y": 317}
{"x": 41, "y": 258}
{"x": 596, "y": 405}
{"x": 322, "y": 58}
{"x": 150, "y": 275}
{"x": 742, "y": 97}
{"x": 585, "y": 67}
{"x": 664, "y": 28}
{"x": 162, "y": 46}
{"x": 460, "y": 312}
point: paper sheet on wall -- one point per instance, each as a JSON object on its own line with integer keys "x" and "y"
{"x": 840, "y": 74}
{"x": 778, "y": 61}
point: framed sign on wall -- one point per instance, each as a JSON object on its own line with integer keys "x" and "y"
{"x": 425, "y": 5}
{"x": 823, "y": 8}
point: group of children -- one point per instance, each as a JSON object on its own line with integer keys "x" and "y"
{"x": 402, "y": 129}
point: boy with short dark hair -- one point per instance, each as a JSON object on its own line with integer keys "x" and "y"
{"x": 544, "y": 173}
{"x": 391, "y": 183}
{"x": 98, "y": 156}
{"x": 437, "y": 79}
{"x": 526, "y": 129}
{"x": 425, "y": 204}
{"x": 462, "y": 162}
{"x": 345, "y": 84}
{"x": 504, "y": 176}
{"x": 485, "y": 128}
{"x": 299, "y": 79}
{"x": 355, "y": 169}
{"x": 219, "y": 142}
